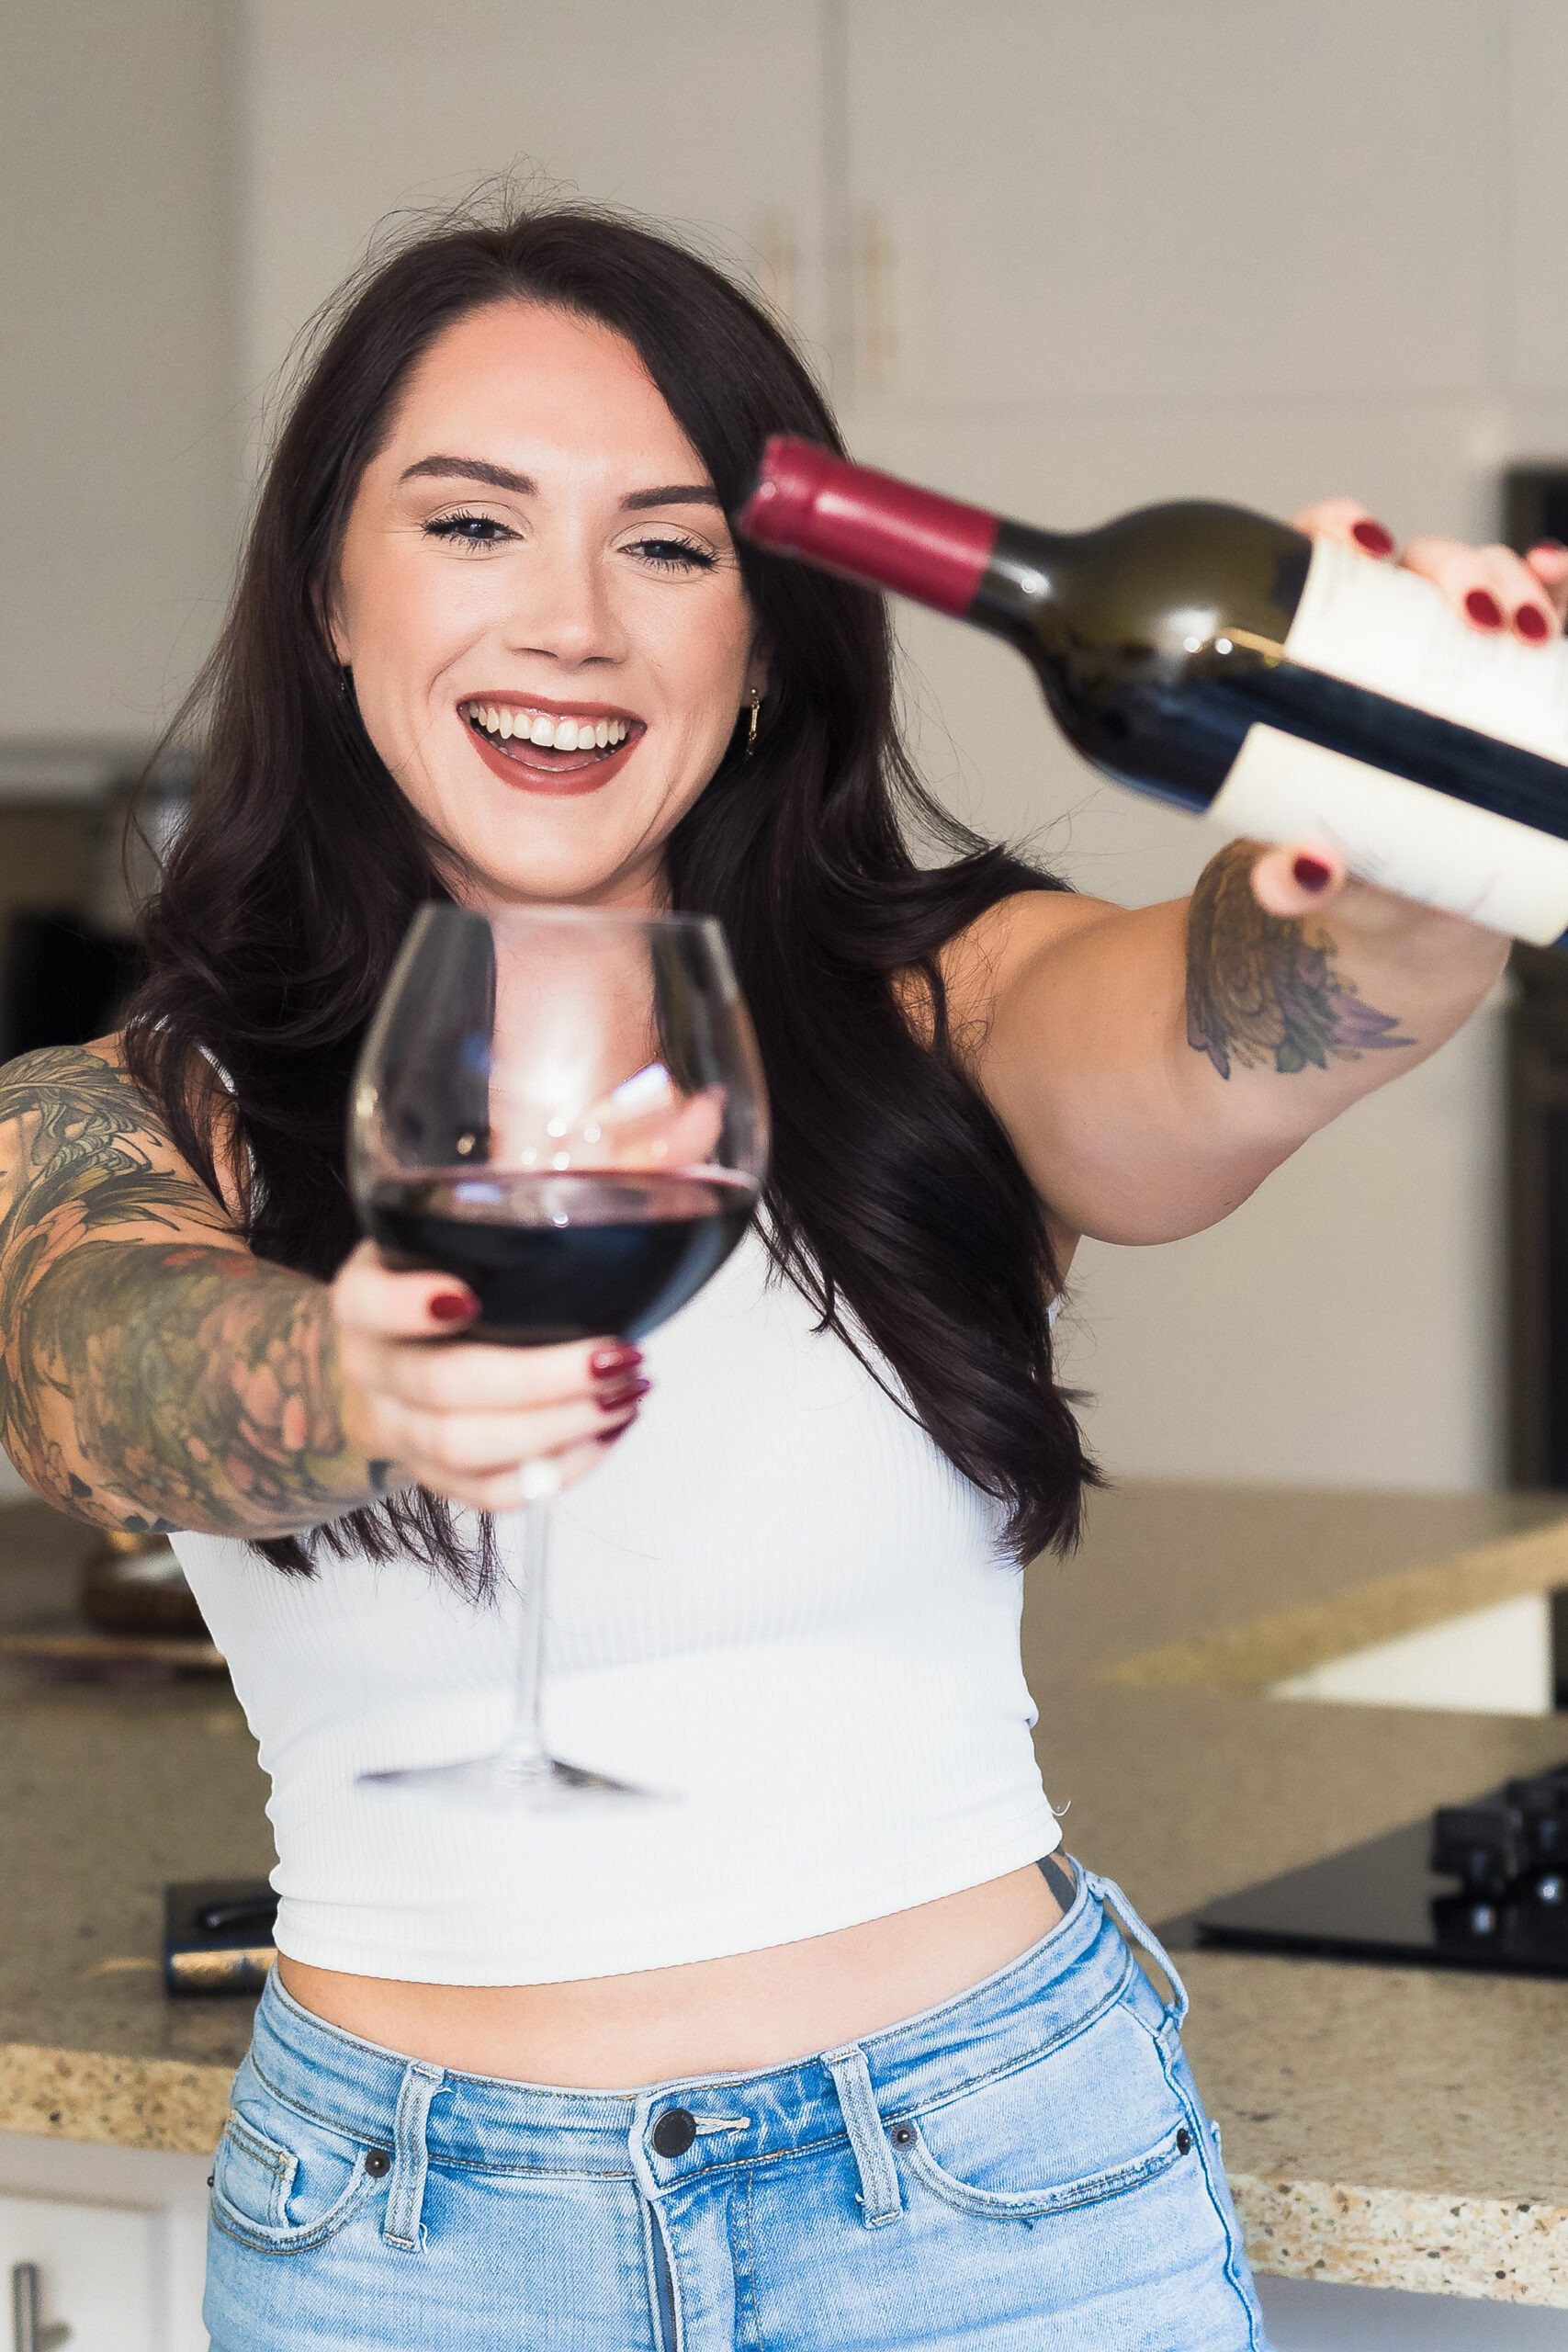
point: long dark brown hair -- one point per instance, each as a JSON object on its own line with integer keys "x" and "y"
{"x": 894, "y": 1188}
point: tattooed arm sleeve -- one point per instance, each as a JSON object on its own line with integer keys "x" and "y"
{"x": 153, "y": 1373}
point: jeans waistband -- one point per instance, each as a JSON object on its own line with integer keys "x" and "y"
{"x": 665, "y": 2132}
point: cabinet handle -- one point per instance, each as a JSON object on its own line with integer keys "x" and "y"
{"x": 778, "y": 258}
{"x": 28, "y": 2332}
{"x": 876, "y": 335}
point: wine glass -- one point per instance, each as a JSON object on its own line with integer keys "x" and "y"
{"x": 564, "y": 1108}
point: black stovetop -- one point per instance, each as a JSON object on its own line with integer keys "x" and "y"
{"x": 1483, "y": 1885}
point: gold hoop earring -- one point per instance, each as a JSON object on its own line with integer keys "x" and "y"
{"x": 752, "y": 729}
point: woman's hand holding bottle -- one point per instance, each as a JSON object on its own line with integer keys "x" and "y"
{"x": 469, "y": 1421}
{"x": 1497, "y": 593}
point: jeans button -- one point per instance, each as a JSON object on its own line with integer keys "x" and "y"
{"x": 674, "y": 2132}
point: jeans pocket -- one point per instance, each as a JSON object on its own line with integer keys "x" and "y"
{"x": 1087, "y": 2119}
{"x": 1030, "y": 2204}
{"x": 282, "y": 2182}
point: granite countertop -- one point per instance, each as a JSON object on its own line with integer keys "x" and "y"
{"x": 1382, "y": 2126}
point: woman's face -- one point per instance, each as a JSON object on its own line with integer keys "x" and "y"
{"x": 537, "y": 552}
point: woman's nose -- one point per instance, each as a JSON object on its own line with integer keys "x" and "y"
{"x": 563, "y": 608}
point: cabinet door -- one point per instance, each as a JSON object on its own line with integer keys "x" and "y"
{"x": 97, "y": 2266}
{"x": 706, "y": 117}
{"x": 1534, "y": 188}
{"x": 1052, "y": 200}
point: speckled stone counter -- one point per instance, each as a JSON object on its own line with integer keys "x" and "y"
{"x": 1382, "y": 2126}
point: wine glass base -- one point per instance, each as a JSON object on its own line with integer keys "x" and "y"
{"x": 512, "y": 1783}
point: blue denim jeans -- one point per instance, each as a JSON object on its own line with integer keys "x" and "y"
{"x": 1026, "y": 2164}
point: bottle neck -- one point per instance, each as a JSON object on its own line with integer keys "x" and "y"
{"x": 1022, "y": 580}
{"x": 874, "y": 527}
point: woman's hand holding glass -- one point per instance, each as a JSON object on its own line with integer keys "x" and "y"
{"x": 462, "y": 1417}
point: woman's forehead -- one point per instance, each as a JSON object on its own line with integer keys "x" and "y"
{"x": 518, "y": 378}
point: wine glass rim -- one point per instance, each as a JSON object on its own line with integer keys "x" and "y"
{"x": 569, "y": 916}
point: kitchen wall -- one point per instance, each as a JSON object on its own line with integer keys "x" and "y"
{"x": 1063, "y": 260}
{"x": 119, "y": 479}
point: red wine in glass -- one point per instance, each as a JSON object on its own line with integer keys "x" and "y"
{"x": 560, "y": 1257}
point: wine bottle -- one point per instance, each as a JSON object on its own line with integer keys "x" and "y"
{"x": 1285, "y": 688}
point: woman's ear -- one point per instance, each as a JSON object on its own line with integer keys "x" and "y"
{"x": 759, "y": 670}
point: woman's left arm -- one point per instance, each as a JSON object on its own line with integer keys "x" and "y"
{"x": 1154, "y": 1063}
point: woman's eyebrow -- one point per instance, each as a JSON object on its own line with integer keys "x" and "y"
{"x": 473, "y": 469}
{"x": 680, "y": 494}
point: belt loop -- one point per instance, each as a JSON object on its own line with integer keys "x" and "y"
{"x": 1139, "y": 1933}
{"x": 405, "y": 2190}
{"x": 878, "y": 2196}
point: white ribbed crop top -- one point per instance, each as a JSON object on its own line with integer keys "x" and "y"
{"x": 775, "y": 1593}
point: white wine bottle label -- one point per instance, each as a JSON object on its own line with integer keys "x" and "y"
{"x": 1398, "y": 835}
{"x": 1398, "y": 634}
{"x": 1394, "y": 633}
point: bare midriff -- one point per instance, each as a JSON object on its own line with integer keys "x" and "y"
{"x": 737, "y": 2014}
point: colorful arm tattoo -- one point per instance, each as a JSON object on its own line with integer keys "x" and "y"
{"x": 1260, "y": 988}
{"x": 151, "y": 1383}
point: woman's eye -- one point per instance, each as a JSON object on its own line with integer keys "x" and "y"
{"x": 675, "y": 555}
{"x": 468, "y": 530}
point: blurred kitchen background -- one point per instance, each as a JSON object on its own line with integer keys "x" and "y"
{"x": 1060, "y": 259}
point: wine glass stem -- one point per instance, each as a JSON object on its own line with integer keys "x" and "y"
{"x": 524, "y": 1738}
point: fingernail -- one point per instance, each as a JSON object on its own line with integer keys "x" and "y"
{"x": 610, "y": 1400}
{"x": 451, "y": 1306}
{"x": 608, "y": 1436}
{"x": 1549, "y": 547}
{"x": 1311, "y": 873}
{"x": 1483, "y": 610}
{"x": 607, "y": 1360}
{"x": 1531, "y": 622}
{"x": 1373, "y": 537}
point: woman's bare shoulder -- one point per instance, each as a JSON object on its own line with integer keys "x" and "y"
{"x": 978, "y": 962}
{"x": 82, "y": 1144}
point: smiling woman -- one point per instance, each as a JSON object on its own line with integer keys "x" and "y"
{"x": 842, "y": 2043}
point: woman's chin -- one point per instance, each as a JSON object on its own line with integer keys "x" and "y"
{"x": 488, "y": 883}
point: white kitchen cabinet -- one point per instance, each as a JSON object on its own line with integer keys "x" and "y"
{"x": 1052, "y": 201}
{"x": 713, "y": 124}
{"x": 1312, "y": 2315}
{"x": 119, "y": 2237}
{"x": 97, "y": 2271}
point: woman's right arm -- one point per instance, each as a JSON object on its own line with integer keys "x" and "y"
{"x": 155, "y": 1374}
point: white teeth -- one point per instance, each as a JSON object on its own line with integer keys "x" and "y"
{"x": 536, "y": 726}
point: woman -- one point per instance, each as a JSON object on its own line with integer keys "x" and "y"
{"x": 844, "y": 2052}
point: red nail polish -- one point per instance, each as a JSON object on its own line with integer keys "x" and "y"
{"x": 1531, "y": 622}
{"x": 610, "y": 1400}
{"x": 1549, "y": 547}
{"x": 1311, "y": 873}
{"x": 1373, "y": 537}
{"x": 451, "y": 1306}
{"x": 608, "y": 1436}
{"x": 1484, "y": 610}
{"x": 619, "y": 1359}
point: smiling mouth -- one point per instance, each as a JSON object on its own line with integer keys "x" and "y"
{"x": 549, "y": 743}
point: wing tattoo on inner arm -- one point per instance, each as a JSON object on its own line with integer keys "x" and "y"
{"x": 1262, "y": 989}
